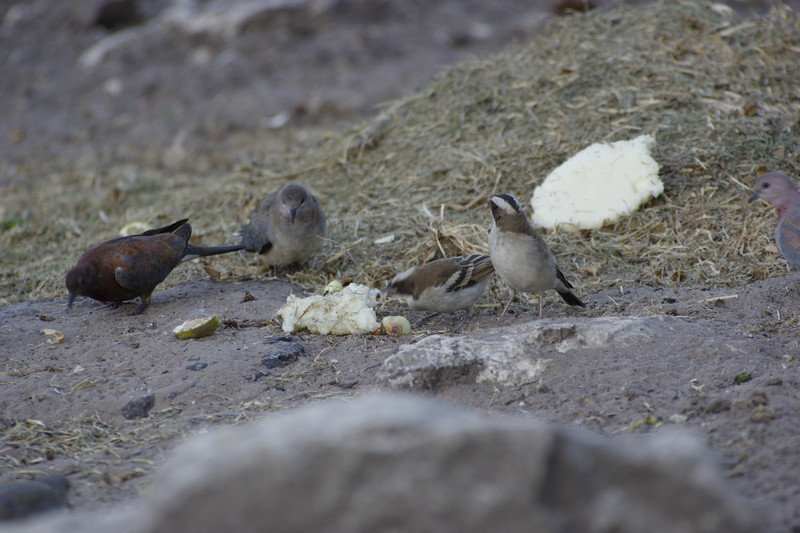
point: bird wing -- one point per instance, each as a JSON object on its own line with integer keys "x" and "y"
{"x": 787, "y": 237}
{"x": 562, "y": 279}
{"x": 481, "y": 266}
{"x": 166, "y": 229}
{"x": 255, "y": 234}
{"x": 144, "y": 262}
{"x": 470, "y": 269}
{"x": 448, "y": 273}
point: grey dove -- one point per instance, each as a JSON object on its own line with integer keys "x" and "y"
{"x": 778, "y": 189}
{"x": 521, "y": 257}
{"x": 286, "y": 227}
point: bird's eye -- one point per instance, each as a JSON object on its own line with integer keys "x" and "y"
{"x": 765, "y": 185}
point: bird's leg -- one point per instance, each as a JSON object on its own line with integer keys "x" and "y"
{"x": 513, "y": 293}
{"x": 467, "y": 314}
{"x": 138, "y": 310}
{"x": 142, "y": 306}
{"x": 541, "y": 299}
{"x": 424, "y": 319}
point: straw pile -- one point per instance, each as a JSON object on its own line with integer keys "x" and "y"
{"x": 719, "y": 95}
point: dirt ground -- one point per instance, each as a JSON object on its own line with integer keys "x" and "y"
{"x": 726, "y": 370}
{"x": 732, "y": 380}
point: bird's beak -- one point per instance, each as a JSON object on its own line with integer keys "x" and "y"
{"x": 387, "y": 292}
{"x": 292, "y": 214}
{"x": 754, "y": 197}
{"x": 70, "y": 300}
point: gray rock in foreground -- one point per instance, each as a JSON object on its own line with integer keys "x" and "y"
{"x": 402, "y": 463}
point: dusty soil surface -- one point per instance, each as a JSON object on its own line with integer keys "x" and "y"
{"x": 61, "y": 403}
{"x": 728, "y": 374}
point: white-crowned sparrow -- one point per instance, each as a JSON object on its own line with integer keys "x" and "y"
{"x": 443, "y": 286}
{"x": 521, "y": 257}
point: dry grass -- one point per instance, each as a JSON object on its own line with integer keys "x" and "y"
{"x": 720, "y": 96}
{"x": 28, "y": 446}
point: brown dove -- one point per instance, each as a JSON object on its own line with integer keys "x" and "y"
{"x": 129, "y": 267}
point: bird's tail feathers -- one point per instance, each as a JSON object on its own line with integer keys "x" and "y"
{"x": 569, "y": 297}
{"x": 194, "y": 251}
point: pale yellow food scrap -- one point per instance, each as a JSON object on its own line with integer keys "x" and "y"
{"x": 333, "y": 287}
{"x": 346, "y": 312}
{"x": 396, "y": 325}
{"x": 133, "y": 228}
{"x": 196, "y": 328}
{"x": 53, "y": 336}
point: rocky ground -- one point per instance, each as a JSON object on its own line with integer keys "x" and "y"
{"x": 718, "y": 363}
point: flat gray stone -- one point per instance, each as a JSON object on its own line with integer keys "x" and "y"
{"x": 515, "y": 355}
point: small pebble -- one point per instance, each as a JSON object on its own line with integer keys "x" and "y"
{"x": 718, "y": 405}
{"x": 139, "y": 407}
{"x": 24, "y": 498}
{"x": 282, "y": 354}
{"x": 279, "y": 338}
{"x": 678, "y": 419}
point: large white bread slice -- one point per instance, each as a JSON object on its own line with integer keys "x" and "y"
{"x": 598, "y": 185}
